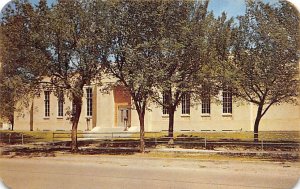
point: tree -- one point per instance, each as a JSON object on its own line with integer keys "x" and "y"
{"x": 132, "y": 53}
{"x": 59, "y": 49}
{"x": 176, "y": 67}
{"x": 12, "y": 95}
{"x": 6, "y": 102}
{"x": 16, "y": 81}
{"x": 194, "y": 47}
{"x": 264, "y": 69}
{"x": 71, "y": 44}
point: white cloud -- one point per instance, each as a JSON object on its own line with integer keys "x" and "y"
{"x": 296, "y": 3}
{"x": 3, "y": 3}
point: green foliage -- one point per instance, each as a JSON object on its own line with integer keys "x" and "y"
{"x": 19, "y": 71}
{"x": 134, "y": 48}
{"x": 52, "y": 48}
{"x": 266, "y": 54}
{"x": 264, "y": 68}
{"x": 150, "y": 47}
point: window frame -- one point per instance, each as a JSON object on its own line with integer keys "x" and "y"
{"x": 165, "y": 111}
{"x": 227, "y": 101}
{"x": 186, "y": 104}
{"x": 205, "y": 104}
{"x": 46, "y": 104}
{"x": 60, "y": 105}
{"x": 89, "y": 102}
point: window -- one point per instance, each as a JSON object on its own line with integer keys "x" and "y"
{"x": 89, "y": 101}
{"x": 165, "y": 101}
{"x": 60, "y": 104}
{"x": 185, "y": 103}
{"x": 205, "y": 104}
{"x": 47, "y": 103}
{"x": 227, "y": 100}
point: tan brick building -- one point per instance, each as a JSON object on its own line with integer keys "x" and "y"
{"x": 113, "y": 111}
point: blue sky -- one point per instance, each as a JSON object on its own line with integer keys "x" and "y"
{"x": 233, "y": 8}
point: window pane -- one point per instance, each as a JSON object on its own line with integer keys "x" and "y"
{"x": 227, "y": 100}
{"x": 47, "y": 103}
{"x": 60, "y": 112}
{"x": 165, "y": 101}
{"x": 185, "y": 104}
{"x": 205, "y": 104}
{"x": 89, "y": 101}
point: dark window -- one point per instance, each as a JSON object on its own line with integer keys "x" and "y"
{"x": 185, "y": 103}
{"x": 89, "y": 101}
{"x": 60, "y": 110}
{"x": 47, "y": 103}
{"x": 227, "y": 100}
{"x": 165, "y": 102}
{"x": 205, "y": 104}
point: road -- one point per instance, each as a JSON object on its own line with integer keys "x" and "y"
{"x": 124, "y": 172}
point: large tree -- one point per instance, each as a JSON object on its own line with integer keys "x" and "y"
{"x": 179, "y": 47}
{"x": 59, "y": 47}
{"x": 132, "y": 54}
{"x": 71, "y": 45}
{"x": 264, "y": 69}
{"x": 191, "y": 46}
{"x": 20, "y": 71}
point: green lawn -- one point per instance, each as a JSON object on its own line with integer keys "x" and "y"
{"x": 29, "y": 136}
{"x": 47, "y": 136}
{"x": 243, "y": 135}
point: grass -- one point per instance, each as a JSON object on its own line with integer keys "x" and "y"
{"x": 29, "y": 136}
{"x": 242, "y": 136}
{"x": 99, "y": 147}
{"x": 35, "y": 136}
{"x": 47, "y": 136}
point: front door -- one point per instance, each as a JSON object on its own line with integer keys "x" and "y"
{"x": 124, "y": 117}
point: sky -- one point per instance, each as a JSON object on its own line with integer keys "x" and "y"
{"x": 233, "y": 8}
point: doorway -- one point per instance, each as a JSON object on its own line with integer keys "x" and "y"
{"x": 124, "y": 117}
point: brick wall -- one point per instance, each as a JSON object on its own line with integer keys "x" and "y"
{"x": 121, "y": 98}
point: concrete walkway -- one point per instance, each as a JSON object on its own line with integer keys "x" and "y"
{"x": 130, "y": 172}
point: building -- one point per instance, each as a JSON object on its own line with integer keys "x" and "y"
{"x": 113, "y": 111}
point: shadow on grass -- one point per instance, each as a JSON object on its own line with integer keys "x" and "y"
{"x": 47, "y": 151}
{"x": 284, "y": 157}
{"x": 108, "y": 151}
{"x": 29, "y": 152}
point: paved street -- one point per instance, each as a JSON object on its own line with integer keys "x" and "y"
{"x": 139, "y": 172}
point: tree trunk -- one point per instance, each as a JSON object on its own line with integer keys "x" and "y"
{"x": 74, "y": 144}
{"x": 256, "y": 123}
{"x": 31, "y": 117}
{"x": 142, "y": 132}
{"x": 171, "y": 122}
{"x": 12, "y": 121}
